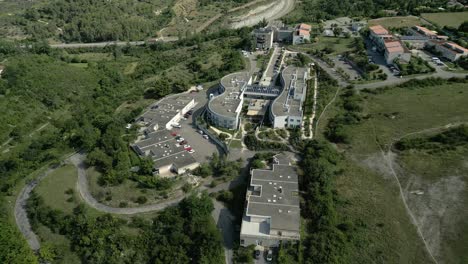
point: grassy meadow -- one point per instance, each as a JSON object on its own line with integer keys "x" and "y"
{"x": 451, "y": 19}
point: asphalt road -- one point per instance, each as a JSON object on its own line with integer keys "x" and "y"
{"x": 224, "y": 221}
{"x": 392, "y": 80}
{"x": 21, "y": 216}
{"x": 109, "y": 43}
{"x": 82, "y": 185}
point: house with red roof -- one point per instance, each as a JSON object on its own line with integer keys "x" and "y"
{"x": 301, "y": 34}
{"x": 449, "y": 50}
{"x": 394, "y": 49}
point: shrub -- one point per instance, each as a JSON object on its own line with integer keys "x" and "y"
{"x": 141, "y": 199}
{"x": 223, "y": 136}
{"x": 187, "y": 187}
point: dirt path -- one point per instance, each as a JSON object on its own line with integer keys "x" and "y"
{"x": 389, "y": 158}
{"x": 9, "y": 140}
{"x": 271, "y": 12}
{"x": 325, "y": 109}
{"x": 312, "y": 117}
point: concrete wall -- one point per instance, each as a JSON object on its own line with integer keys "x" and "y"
{"x": 223, "y": 121}
{"x": 165, "y": 169}
{"x": 188, "y": 167}
{"x": 262, "y": 241}
{"x": 266, "y": 241}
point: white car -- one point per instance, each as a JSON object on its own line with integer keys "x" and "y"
{"x": 269, "y": 256}
{"x": 180, "y": 139}
{"x": 187, "y": 146}
{"x": 176, "y": 125}
{"x": 206, "y": 137}
{"x": 191, "y": 151}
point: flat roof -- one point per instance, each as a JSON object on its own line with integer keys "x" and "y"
{"x": 164, "y": 150}
{"x": 154, "y": 138}
{"x": 180, "y": 159}
{"x": 228, "y": 102}
{"x": 279, "y": 197}
{"x": 295, "y": 80}
{"x": 257, "y": 107}
{"x": 163, "y": 111}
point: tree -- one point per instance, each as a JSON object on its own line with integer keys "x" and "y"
{"x": 223, "y": 136}
{"x": 463, "y": 27}
{"x": 47, "y": 253}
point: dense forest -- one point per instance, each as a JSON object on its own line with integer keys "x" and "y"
{"x": 182, "y": 234}
{"x": 92, "y": 21}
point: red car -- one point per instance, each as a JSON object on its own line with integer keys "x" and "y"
{"x": 174, "y": 134}
{"x": 188, "y": 149}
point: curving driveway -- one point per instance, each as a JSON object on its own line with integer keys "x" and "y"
{"x": 21, "y": 215}
{"x": 82, "y": 185}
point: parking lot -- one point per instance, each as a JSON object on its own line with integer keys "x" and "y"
{"x": 347, "y": 68}
{"x": 379, "y": 59}
{"x": 203, "y": 148}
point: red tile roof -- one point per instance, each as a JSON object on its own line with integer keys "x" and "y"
{"x": 394, "y": 46}
{"x": 456, "y": 47}
{"x": 304, "y": 26}
{"x": 303, "y": 32}
{"x": 379, "y": 30}
{"x": 426, "y": 31}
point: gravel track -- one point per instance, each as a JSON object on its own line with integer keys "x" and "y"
{"x": 278, "y": 9}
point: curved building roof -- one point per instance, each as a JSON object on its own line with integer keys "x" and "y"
{"x": 228, "y": 102}
{"x": 295, "y": 81}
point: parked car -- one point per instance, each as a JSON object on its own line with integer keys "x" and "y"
{"x": 269, "y": 256}
{"x": 189, "y": 112}
{"x": 206, "y": 137}
{"x": 191, "y": 151}
{"x": 200, "y": 131}
{"x": 257, "y": 254}
{"x": 176, "y": 125}
{"x": 187, "y": 146}
{"x": 180, "y": 139}
{"x": 183, "y": 142}
{"x": 174, "y": 134}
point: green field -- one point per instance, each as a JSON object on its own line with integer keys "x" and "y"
{"x": 399, "y": 111}
{"x": 387, "y": 235}
{"x": 392, "y": 113}
{"x": 397, "y": 22}
{"x": 126, "y": 192}
{"x": 447, "y": 19}
{"x": 53, "y": 189}
{"x": 444, "y": 176}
